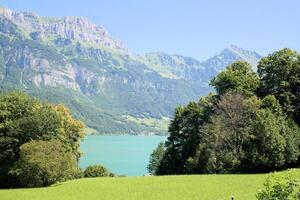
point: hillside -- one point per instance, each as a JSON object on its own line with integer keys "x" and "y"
{"x": 74, "y": 61}
{"x": 155, "y": 188}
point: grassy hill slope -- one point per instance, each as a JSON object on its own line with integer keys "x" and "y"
{"x": 196, "y": 187}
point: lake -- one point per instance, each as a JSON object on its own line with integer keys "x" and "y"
{"x": 122, "y": 155}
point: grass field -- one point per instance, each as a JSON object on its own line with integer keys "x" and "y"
{"x": 195, "y": 187}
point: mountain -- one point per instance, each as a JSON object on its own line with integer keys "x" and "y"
{"x": 228, "y": 56}
{"x": 74, "y": 61}
{"x": 181, "y": 67}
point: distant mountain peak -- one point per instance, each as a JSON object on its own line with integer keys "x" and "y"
{"x": 241, "y": 51}
{"x": 78, "y": 29}
{"x": 235, "y": 48}
{"x": 229, "y": 55}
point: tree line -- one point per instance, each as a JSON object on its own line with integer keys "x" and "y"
{"x": 249, "y": 125}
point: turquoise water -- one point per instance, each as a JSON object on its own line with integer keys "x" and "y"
{"x": 123, "y": 155}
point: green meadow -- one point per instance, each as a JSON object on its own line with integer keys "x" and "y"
{"x": 192, "y": 187}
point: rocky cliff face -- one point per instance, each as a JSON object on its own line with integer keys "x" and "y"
{"x": 73, "y": 61}
{"x": 73, "y": 28}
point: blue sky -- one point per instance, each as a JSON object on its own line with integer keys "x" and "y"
{"x": 194, "y": 28}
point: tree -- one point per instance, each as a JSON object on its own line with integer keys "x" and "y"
{"x": 221, "y": 148}
{"x": 280, "y": 76}
{"x": 71, "y": 130}
{"x": 246, "y": 136}
{"x": 96, "y": 171}
{"x": 266, "y": 150}
{"x": 237, "y": 77}
{"x": 276, "y": 139}
{"x": 43, "y": 163}
{"x": 184, "y": 136}
{"x": 23, "y": 119}
{"x": 155, "y": 158}
{"x": 13, "y": 108}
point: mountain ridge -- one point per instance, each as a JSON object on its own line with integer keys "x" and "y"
{"x": 71, "y": 27}
{"x": 106, "y": 86}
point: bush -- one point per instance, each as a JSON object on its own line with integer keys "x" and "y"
{"x": 43, "y": 163}
{"x": 97, "y": 171}
{"x": 281, "y": 186}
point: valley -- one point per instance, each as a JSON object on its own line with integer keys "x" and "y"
{"x": 73, "y": 61}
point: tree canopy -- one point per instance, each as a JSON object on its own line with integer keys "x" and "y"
{"x": 237, "y": 77}
{"x": 250, "y": 125}
{"x": 24, "y": 119}
{"x": 280, "y": 76}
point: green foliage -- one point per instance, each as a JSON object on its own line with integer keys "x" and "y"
{"x": 43, "y": 163}
{"x": 224, "y": 136}
{"x": 274, "y": 144}
{"x": 185, "y": 135}
{"x": 89, "y": 111}
{"x": 23, "y": 119}
{"x": 240, "y": 130}
{"x": 94, "y": 171}
{"x": 281, "y": 186}
{"x": 243, "y": 136}
{"x": 280, "y": 76}
{"x": 237, "y": 77}
{"x": 272, "y": 103}
{"x": 155, "y": 158}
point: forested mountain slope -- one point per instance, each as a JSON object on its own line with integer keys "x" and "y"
{"x": 74, "y": 61}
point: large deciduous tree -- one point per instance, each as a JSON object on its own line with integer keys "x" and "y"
{"x": 280, "y": 76}
{"x": 23, "y": 119}
{"x": 185, "y": 135}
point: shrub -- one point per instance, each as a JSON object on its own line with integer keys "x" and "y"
{"x": 43, "y": 163}
{"x": 97, "y": 171}
{"x": 281, "y": 186}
